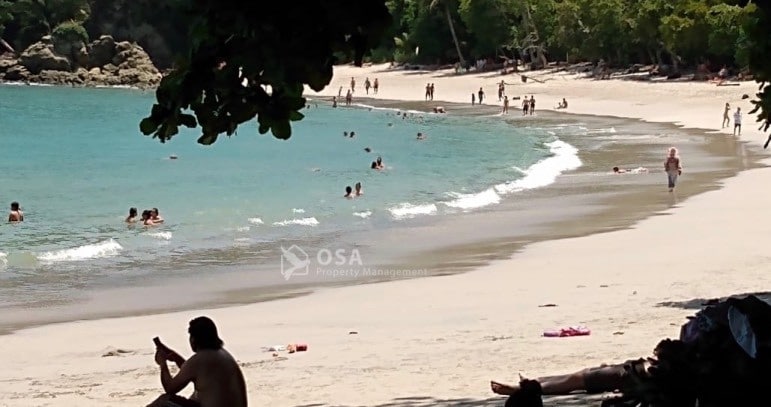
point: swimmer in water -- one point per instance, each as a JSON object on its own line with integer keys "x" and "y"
{"x": 379, "y": 162}
{"x": 147, "y": 218}
{"x": 638, "y": 170}
{"x": 16, "y": 215}
{"x": 345, "y": 134}
{"x": 359, "y": 191}
{"x": 348, "y": 192}
{"x": 367, "y": 149}
{"x": 155, "y": 216}
{"x": 353, "y": 133}
{"x": 421, "y": 136}
{"x": 132, "y": 216}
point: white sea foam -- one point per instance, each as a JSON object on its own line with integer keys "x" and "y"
{"x": 363, "y": 215}
{"x": 107, "y": 248}
{"x": 160, "y": 235}
{"x": 242, "y": 229}
{"x": 255, "y": 221}
{"x": 298, "y": 210}
{"x": 546, "y": 171}
{"x": 3, "y": 260}
{"x": 362, "y": 105}
{"x": 408, "y": 210}
{"x": 604, "y": 130}
{"x": 473, "y": 201}
{"x": 301, "y": 222}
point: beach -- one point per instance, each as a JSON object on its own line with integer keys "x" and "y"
{"x": 438, "y": 341}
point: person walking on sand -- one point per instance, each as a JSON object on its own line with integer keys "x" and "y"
{"x": 532, "y": 105}
{"x": 367, "y": 85}
{"x": 505, "y": 105}
{"x": 738, "y": 121}
{"x": 673, "y": 168}
{"x": 340, "y": 92}
{"x": 428, "y": 91}
{"x": 375, "y": 86}
{"x": 726, "y": 118}
{"x": 525, "y": 106}
{"x": 353, "y": 85}
{"x": 214, "y": 372}
{"x": 481, "y": 94}
{"x": 431, "y": 91}
{"x": 473, "y": 98}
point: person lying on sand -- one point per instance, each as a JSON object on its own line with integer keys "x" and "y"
{"x": 217, "y": 378}
{"x": 638, "y": 170}
{"x": 439, "y": 109}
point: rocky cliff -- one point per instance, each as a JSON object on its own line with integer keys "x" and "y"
{"x": 101, "y": 62}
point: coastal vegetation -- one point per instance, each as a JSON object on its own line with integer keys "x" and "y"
{"x": 267, "y": 48}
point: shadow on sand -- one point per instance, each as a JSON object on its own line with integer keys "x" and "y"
{"x": 577, "y": 400}
{"x": 699, "y": 303}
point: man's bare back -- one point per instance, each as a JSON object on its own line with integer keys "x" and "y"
{"x": 218, "y": 379}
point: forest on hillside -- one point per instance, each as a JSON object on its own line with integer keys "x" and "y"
{"x": 620, "y": 32}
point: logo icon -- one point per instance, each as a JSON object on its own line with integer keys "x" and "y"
{"x": 294, "y": 262}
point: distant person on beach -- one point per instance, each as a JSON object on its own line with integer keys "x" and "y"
{"x": 726, "y": 118}
{"x": 638, "y": 170}
{"x": 505, "y": 105}
{"x": 432, "y": 91}
{"x": 216, "y": 375}
{"x": 428, "y": 91}
{"x": 348, "y": 192}
{"x": 156, "y": 216}
{"x": 673, "y": 168}
{"x": 501, "y": 90}
{"x": 738, "y": 121}
{"x": 348, "y": 98}
{"x": 132, "y": 216}
{"x": 525, "y": 106}
{"x": 334, "y": 101}
{"x": 439, "y": 109}
{"x": 563, "y": 104}
{"x": 532, "y": 105}
{"x": 375, "y": 86}
{"x": 473, "y": 99}
{"x": 353, "y": 85}
{"x": 340, "y": 92}
{"x": 358, "y": 189}
{"x": 367, "y": 85}
{"x": 481, "y": 95}
{"x": 16, "y": 215}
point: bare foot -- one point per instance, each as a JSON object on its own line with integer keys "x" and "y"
{"x": 503, "y": 389}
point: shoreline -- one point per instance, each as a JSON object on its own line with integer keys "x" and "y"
{"x": 440, "y": 340}
{"x": 578, "y": 216}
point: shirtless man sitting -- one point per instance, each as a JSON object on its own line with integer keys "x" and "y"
{"x": 214, "y": 372}
{"x": 16, "y": 215}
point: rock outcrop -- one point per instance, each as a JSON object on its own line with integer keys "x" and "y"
{"x": 102, "y": 62}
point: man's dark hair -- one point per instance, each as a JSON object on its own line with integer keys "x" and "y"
{"x": 204, "y": 334}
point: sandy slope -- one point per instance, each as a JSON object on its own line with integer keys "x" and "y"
{"x": 430, "y": 341}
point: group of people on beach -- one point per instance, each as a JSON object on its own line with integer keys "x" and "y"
{"x": 737, "y": 119}
{"x": 150, "y": 217}
{"x": 429, "y": 91}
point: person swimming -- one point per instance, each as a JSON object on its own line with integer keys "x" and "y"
{"x": 348, "y": 192}
{"x": 421, "y": 136}
{"x": 367, "y": 149}
{"x": 132, "y": 216}
{"x": 359, "y": 191}
{"x": 345, "y": 134}
{"x": 147, "y": 218}
{"x": 379, "y": 162}
{"x": 374, "y": 166}
{"x": 155, "y": 216}
{"x": 638, "y": 170}
{"x": 16, "y": 215}
{"x": 353, "y": 133}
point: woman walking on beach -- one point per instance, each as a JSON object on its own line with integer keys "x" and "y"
{"x": 673, "y": 168}
{"x": 726, "y": 118}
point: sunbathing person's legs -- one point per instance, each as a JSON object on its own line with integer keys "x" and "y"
{"x": 600, "y": 379}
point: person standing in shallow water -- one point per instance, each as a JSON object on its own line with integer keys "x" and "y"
{"x": 673, "y": 168}
{"x": 16, "y": 215}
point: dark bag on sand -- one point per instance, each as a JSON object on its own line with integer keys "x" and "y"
{"x": 529, "y": 395}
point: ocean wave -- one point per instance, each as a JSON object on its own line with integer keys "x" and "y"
{"x": 255, "y": 221}
{"x": 160, "y": 235}
{"x": 408, "y": 210}
{"x": 298, "y": 210}
{"x": 365, "y": 106}
{"x": 473, "y": 201}
{"x": 243, "y": 229}
{"x": 301, "y": 222}
{"x": 546, "y": 171}
{"x": 3, "y": 260}
{"x": 107, "y": 248}
{"x": 363, "y": 215}
{"x": 604, "y": 130}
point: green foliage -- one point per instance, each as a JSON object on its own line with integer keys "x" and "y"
{"x": 248, "y": 61}
{"x": 37, "y": 18}
{"x": 758, "y": 29}
{"x": 5, "y": 15}
{"x": 489, "y": 22}
{"x": 69, "y": 31}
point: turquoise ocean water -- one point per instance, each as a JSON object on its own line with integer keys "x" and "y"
{"x": 76, "y": 162}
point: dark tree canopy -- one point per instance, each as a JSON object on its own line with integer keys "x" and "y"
{"x": 250, "y": 59}
{"x": 759, "y": 49}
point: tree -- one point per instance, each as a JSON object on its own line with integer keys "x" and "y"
{"x": 489, "y": 21}
{"x": 39, "y": 17}
{"x": 758, "y": 29}
{"x": 445, "y": 4}
{"x": 247, "y": 60}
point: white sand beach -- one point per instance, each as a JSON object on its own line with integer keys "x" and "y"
{"x": 438, "y": 341}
